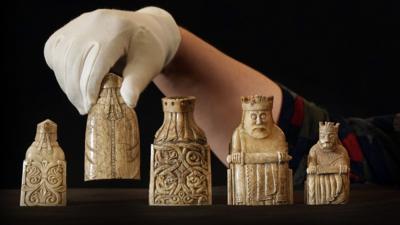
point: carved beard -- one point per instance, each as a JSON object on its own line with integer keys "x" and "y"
{"x": 259, "y": 132}
{"x": 328, "y": 146}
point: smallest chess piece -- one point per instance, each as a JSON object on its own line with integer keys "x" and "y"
{"x": 44, "y": 170}
{"x": 328, "y": 169}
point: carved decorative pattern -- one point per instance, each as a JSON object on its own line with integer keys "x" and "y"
{"x": 44, "y": 183}
{"x": 180, "y": 174}
{"x": 180, "y": 158}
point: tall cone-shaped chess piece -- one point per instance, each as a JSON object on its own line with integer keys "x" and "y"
{"x": 112, "y": 149}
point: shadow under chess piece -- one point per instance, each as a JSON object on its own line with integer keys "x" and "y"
{"x": 112, "y": 149}
{"x": 180, "y": 170}
{"x": 258, "y": 158}
{"x": 44, "y": 170}
{"x": 328, "y": 169}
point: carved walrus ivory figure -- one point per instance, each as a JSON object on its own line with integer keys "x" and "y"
{"x": 328, "y": 169}
{"x": 180, "y": 171}
{"x": 258, "y": 171}
{"x": 112, "y": 149}
{"x": 44, "y": 170}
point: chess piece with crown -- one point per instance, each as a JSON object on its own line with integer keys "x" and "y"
{"x": 180, "y": 169}
{"x": 112, "y": 149}
{"x": 328, "y": 169}
{"x": 258, "y": 158}
{"x": 44, "y": 170}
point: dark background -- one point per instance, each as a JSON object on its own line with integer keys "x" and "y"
{"x": 341, "y": 54}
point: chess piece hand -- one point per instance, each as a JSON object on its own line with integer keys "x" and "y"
{"x": 281, "y": 157}
{"x": 83, "y": 51}
{"x": 311, "y": 170}
{"x": 343, "y": 169}
{"x": 235, "y": 158}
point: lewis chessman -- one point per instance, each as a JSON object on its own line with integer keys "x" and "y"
{"x": 328, "y": 169}
{"x": 258, "y": 171}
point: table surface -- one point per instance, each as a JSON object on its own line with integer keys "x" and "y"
{"x": 369, "y": 204}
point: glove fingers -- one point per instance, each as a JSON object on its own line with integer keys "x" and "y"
{"x": 169, "y": 30}
{"x": 144, "y": 61}
{"x": 54, "y": 40}
{"x": 96, "y": 64}
{"x": 75, "y": 63}
{"x": 56, "y": 51}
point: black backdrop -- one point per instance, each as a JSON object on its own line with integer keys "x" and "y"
{"x": 340, "y": 54}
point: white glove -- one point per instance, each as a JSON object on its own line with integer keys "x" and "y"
{"x": 83, "y": 51}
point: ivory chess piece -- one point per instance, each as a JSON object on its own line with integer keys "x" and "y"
{"x": 328, "y": 169}
{"x": 180, "y": 171}
{"x": 112, "y": 149}
{"x": 44, "y": 170}
{"x": 258, "y": 159}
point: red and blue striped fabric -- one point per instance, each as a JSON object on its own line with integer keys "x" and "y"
{"x": 368, "y": 149}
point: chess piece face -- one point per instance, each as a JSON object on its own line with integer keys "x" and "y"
{"x": 112, "y": 148}
{"x": 328, "y": 140}
{"x": 44, "y": 170}
{"x": 258, "y": 171}
{"x": 328, "y": 169}
{"x": 257, "y": 124}
{"x": 180, "y": 169}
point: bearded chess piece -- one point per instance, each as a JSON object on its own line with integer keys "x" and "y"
{"x": 180, "y": 171}
{"x": 328, "y": 169}
{"x": 44, "y": 170}
{"x": 258, "y": 158}
{"x": 112, "y": 149}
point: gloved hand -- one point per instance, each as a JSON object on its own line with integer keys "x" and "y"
{"x": 83, "y": 51}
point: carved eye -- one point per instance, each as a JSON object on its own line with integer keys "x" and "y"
{"x": 253, "y": 116}
{"x": 263, "y": 116}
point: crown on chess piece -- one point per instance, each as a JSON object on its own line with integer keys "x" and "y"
{"x": 178, "y": 104}
{"x": 257, "y": 102}
{"x": 328, "y": 127}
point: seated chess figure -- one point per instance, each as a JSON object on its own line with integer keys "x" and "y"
{"x": 258, "y": 171}
{"x": 328, "y": 169}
